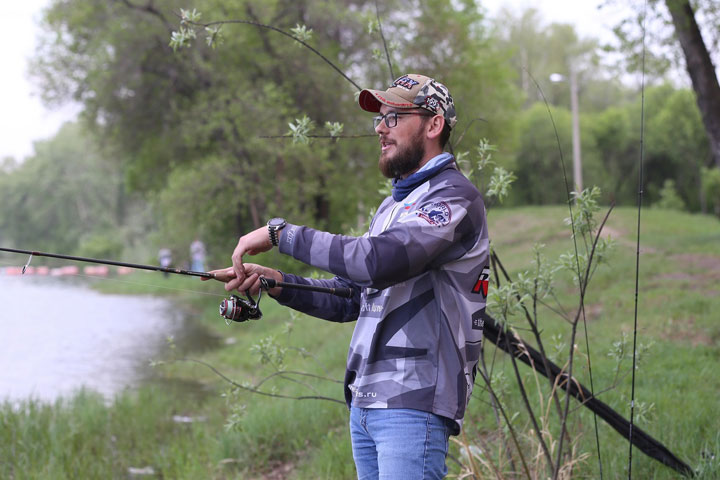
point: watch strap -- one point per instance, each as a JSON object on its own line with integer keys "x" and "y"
{"x": 274, "y": 226}
{"x": 273, "y": 232}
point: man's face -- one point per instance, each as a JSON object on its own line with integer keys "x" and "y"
{"x": 402, "y": 147}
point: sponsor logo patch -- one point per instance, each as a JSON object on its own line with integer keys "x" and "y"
{"x": 477, "y": 320}
{"x": 405, "y": 82}
{"x": 437, "y": 214}
{"x": 483, "y": 282}
{"x": 407, "y": 207}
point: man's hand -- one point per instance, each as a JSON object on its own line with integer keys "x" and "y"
{"x": 253, "y": 272}
{"x": 255, "y": 242}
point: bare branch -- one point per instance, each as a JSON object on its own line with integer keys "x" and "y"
{"x": 254, "y": 390}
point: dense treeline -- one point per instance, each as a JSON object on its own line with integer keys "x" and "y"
{"x": 172, "y": 145}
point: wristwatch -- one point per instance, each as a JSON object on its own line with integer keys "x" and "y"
{"x": 274, "y": 226}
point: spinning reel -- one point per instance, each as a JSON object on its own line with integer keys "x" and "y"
{"x": 239, "y": 309}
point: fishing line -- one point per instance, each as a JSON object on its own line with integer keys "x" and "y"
{"x": 183, "y": 290}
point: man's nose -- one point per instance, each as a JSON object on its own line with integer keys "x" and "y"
{"x": 381, "y": 127}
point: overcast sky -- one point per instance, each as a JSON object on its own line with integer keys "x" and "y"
{"x": 23, "y": 118}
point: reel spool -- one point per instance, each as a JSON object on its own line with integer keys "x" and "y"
{"x": 240, "y": 310}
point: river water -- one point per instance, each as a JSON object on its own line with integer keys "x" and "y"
{"x": 57, "y": 335}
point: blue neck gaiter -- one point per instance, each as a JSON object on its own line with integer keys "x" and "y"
{"x": 403, "y": 186}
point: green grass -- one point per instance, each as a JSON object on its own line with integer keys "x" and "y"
{"x": 87, "y": 437}
{"x": 679, "y": 291}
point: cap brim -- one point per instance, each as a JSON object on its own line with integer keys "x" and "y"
{"x": 372, "y": 100}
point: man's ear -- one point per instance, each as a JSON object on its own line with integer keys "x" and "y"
{"x": 435, "y": 127}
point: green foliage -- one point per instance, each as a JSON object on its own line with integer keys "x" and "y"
{"x": 537, "y": 162}
{"x": 302, "y": 33}
{"x": 301, "y": 129}
{"x": 186, "y": 34}
{"x": 711, "y": 187}
{"x": 583, "y": 222}
{"x": 159, "y": 112}
{"x": 67, "y": 195}
{"x": 669, "y": 198}
{"x": 506, "y": 301}
{"x": 188, "y": 123}
{"x": 500, "y": 182}
{"x": 334, "y": 128}
{"x": 102, "y": 244}
{"x": 616, "y": 144}
{"x": 270, "y": 352}
{"x": 214, "y": 36}
{"x": 677, "y": 145}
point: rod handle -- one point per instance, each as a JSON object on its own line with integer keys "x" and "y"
{"x": 268, "y": 283}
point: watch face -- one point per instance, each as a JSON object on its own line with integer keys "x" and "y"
{"x": 276, "y": 222}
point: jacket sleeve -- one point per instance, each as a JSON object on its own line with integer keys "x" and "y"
{"x": 321, "y": 305}
{"x": 441, "y": 229}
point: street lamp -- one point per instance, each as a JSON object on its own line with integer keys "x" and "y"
{"x": 577, "y": 161}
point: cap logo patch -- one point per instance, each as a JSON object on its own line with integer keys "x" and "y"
{"x": 437, "y": 214}
{"x": 405, "y": 82}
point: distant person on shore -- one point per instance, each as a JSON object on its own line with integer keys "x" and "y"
{"x": 165, "y": 258}
{"x": 197, "y": 255}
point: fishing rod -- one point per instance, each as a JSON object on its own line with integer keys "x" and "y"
{"x": 234, "y": 308}
{"x": 106, "y": 262}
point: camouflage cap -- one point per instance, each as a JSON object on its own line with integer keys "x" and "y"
{"x": 412, "y": 91}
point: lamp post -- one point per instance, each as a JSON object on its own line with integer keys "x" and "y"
{"x": 574, "y": 109}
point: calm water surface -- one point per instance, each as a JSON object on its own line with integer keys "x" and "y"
{"x": 57, "y": 335}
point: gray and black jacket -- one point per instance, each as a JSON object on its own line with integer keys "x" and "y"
{"x": 420, "y": 277}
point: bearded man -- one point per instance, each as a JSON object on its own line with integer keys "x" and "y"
{"x": 419, "y": 279}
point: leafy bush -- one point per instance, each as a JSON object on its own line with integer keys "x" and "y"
{"x": 669, "y": 198}
{"x": 711, "y": 188}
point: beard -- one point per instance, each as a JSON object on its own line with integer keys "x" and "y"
{"x": 404, "y": 161}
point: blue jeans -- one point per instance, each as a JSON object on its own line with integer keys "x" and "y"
{"x": 398, "y": 443}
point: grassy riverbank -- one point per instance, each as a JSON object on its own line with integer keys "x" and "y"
{"x": 224, "y": 431}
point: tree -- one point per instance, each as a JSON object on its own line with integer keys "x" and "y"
{"x": 700, "y": 68}
{"x": 676, "y": 145}
{"x": 171, "y": 117}
{"x": 63, "y": 197}
{"x": 617, "y": 148}
{"x": 538, "y": 50}
{"x": 681, "y": 18}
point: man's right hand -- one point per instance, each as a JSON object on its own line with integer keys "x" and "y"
{"x": 251, "y": 280}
